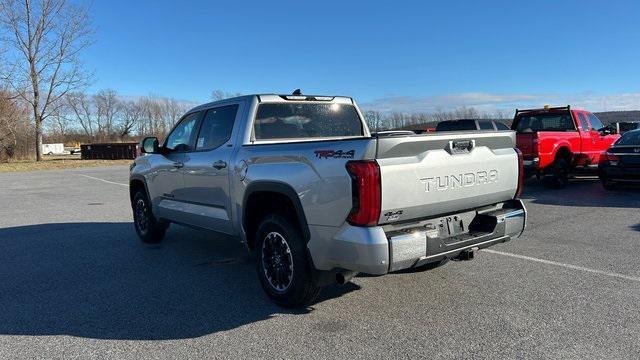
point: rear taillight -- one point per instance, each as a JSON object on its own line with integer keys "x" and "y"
{"x": 365, "y": 189}
{"x": 610, "y": 158}
{"x": 534, "y": 144}
{"x": 520, "y": 173}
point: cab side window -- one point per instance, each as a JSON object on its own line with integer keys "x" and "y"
{"x": 181, "y": 137}
{"x": 216, "y": 127}
{"x": 583, "y": 122}
{"x": 596, "y": 124}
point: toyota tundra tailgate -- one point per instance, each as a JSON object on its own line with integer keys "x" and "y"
{"x": 428, "y": 175}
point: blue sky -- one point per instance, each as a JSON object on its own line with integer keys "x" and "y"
{"x": 389, "y": 55}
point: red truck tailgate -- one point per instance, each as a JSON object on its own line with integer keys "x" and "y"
{"x": 524, "y": 142}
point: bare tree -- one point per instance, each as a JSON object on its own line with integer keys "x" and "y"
{"x": 131, "y": 115}
{"x": 79, "y": 107}
{"x": 59, "y": 123}
{"x": 373, "y": 119}
{"x": 12, "y": 124}
{"x": 107, "y": 106}
{"x": 44, "y": 39}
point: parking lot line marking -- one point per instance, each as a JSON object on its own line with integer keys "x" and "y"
{"x": 103, "y": 180}
{"x": 568, "y": 266}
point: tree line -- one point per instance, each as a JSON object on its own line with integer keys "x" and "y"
{"x": 381, "y": 121}
{"x": 105, "y": 116}
{"x": 86, "y": 118}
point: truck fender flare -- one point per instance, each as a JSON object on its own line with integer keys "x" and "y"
{"x": 559, "y": 147}
{"x": 279, "y": 188}
{"x": 142, "y": 180}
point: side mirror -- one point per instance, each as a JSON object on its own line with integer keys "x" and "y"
{"x": 606, "y": 131}
{"x": 150, "y": 145}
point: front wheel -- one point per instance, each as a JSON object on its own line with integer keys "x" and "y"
{"x": 149, "y": 229}
{"x": 282, "y": 265}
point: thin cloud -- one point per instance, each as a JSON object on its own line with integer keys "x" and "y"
{"x": 502, "y": 102}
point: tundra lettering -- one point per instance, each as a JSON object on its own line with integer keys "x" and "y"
{"x": 446, "y": 182}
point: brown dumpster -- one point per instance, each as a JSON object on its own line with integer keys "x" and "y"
{"x": 109, "y": 151}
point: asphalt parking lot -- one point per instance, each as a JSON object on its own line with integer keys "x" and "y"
{"x": 75, "y": 282}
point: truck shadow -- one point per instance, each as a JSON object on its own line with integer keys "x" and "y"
{"x": 584, "y": 192}
{"x": 97, "y": 280}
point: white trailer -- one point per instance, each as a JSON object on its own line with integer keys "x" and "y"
{"x": 53, "y": 149}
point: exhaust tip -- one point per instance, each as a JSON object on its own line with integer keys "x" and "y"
{"x": 344, "y": 277}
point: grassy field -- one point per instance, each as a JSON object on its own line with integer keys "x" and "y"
{"x": 57, "y": 162}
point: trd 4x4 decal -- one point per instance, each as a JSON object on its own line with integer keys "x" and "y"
{"x": 335, "y": 154}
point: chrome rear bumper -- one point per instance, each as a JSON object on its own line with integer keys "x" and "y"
{"x": 382, "y": 249}
{"x": 482, "y": 229}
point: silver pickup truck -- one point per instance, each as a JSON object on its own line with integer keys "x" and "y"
{"x": 318, "y": 198}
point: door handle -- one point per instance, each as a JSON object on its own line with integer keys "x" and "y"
{"x": 219, "y": 164}
{"x": 178, "y": 164}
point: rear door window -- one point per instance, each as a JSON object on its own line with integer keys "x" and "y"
{"x": 216, "y": 127}
{"x": 583, "y": 122}
{"x": 306, "y": 120}
{"x": 545, "y": 122}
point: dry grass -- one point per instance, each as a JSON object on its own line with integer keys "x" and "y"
{"x": 57, "y": 162}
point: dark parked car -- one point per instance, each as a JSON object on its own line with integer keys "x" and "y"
{"x": 470, "y": 124}
{"x": 621, "y": 163}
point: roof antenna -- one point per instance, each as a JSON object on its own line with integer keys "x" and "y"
{"x": 296, "y": 92}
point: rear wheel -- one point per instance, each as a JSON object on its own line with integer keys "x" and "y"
{"x": 149, "y": 229}
{"x": 282, "y": 265}
{"x": 558, "y": 174}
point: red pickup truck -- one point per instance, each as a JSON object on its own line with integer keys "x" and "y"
{"x": 558, "y": 141}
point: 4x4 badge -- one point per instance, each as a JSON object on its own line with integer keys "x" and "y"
{"x": 335, "y": 154}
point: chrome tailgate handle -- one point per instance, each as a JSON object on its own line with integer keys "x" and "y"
{"x": 460, "y": 146}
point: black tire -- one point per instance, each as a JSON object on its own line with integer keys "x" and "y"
{"x": 558, "y": 174}
{"x": 430, "y": 266}
{"x": 282, "y": 265}
{"x": 149, "y": 229}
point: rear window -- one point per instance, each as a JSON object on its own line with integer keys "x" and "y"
{"x": 295, "y": 121}
{"x": 456, "y": 125}
{"x": 544, "y": 122}
{"x": 629, "y": 138}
